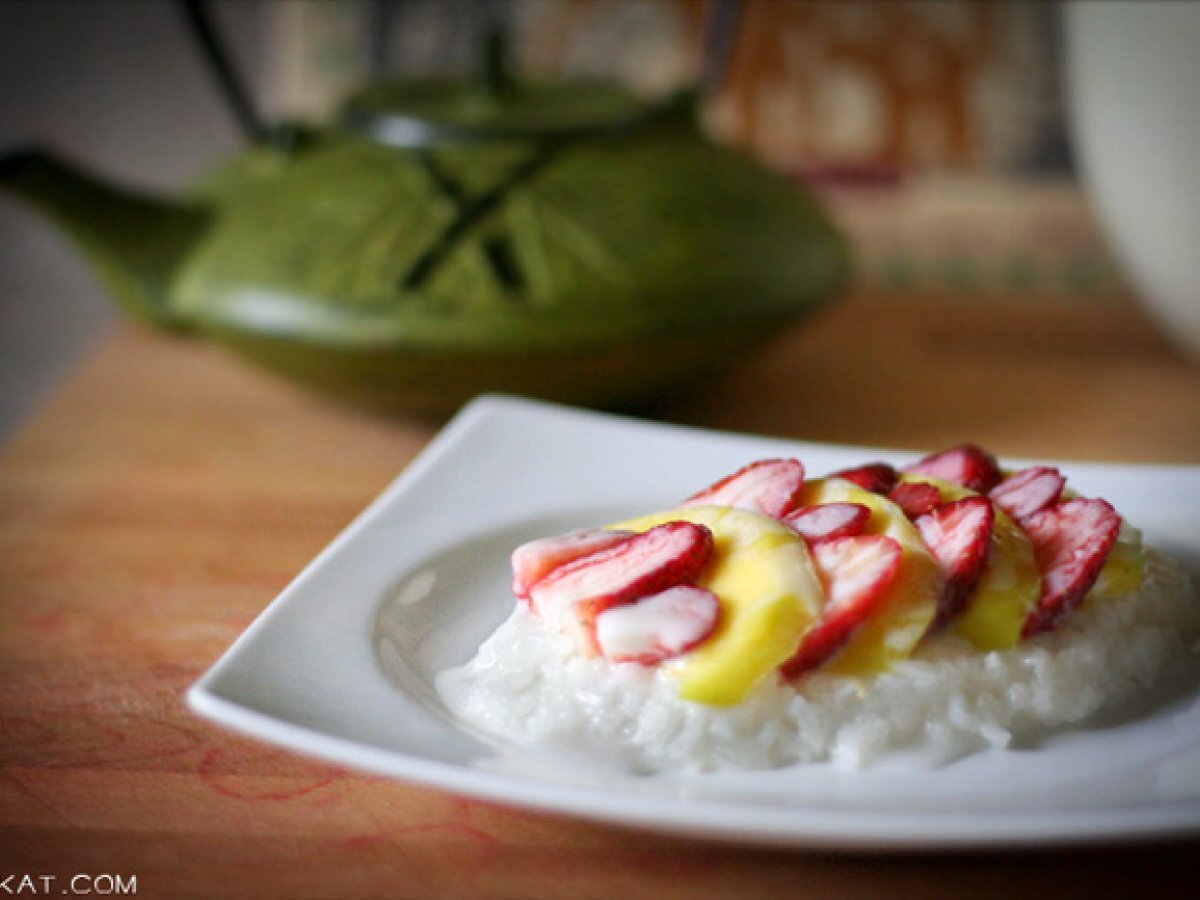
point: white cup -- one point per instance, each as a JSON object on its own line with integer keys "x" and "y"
{"x": 1134, "y": 84}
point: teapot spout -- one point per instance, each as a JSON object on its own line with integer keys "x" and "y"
{"x": 137, "y": 242}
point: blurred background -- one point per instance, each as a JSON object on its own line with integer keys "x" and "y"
{"x": 935, "y": 131}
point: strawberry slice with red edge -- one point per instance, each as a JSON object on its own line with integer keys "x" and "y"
{"x": 959, "y": 535}
{"x": 876, "y": 477}
{"x": 916, "y": 498}
{"x": 1028, "y": 491}
{"x": 658, "y": 627}
{"x": 573, "y": 595}
{"x": 968, "y": 466}
{"x": 768, "y": 486}
{"x": 856, "y": 573}
{"x": 828, "y": 521}
{"x": 535, "y": 560}
{"x": 1071, "y": 541}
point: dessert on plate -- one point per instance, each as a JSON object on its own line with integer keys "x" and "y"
{"x": 773, "y": 619}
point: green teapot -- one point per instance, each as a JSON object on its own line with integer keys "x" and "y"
{"x": 555, "y": 238}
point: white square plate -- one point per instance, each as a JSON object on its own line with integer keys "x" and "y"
{"x": 422, "y": 577}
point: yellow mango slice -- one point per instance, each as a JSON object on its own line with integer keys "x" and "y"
{"x": 905, "y": 613}
{"x": 769, "y": 593}
{"x": 1125, "y": 567}
{"x": 1009, "y": 586}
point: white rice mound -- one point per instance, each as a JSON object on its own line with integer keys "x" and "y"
{"x": 526, "y": 685}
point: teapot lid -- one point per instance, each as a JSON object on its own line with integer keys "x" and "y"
{"x": 495, "y": 106}
{"x": 438, "y": 111}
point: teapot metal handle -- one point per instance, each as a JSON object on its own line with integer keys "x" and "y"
{"x": 220, "y": 64}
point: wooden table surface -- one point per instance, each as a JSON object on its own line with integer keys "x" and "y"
{"x": 168, "y": 492}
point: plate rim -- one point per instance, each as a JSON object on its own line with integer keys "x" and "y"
{"x": 839, "y": 830}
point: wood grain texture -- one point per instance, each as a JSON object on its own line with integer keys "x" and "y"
{"x": 1041, "y": 378}
{"x": 167, "y": 493}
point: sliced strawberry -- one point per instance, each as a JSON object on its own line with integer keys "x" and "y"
{"x": 855, "y": 572}
{"x": 1071, "y": 541}
{"x": 959, "y": 535}
{"x": 877, "y": 477}
{"x": 658, "y": 627}
{"x": 828, "y": 521}
{"x": 969, "y": 466}
{"x": 1028, "y": 491}
{"x": 769, "y": 486}
{"x": 916, "y": 498}
{"x": 573, "y": 595}
{"x": 534, "y": 561}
